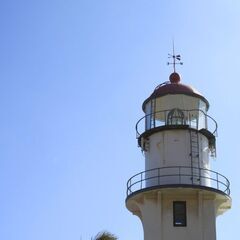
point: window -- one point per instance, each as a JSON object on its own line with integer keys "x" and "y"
{"x": 179, "y": 214}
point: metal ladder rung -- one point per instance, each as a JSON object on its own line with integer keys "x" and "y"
{"x": 194, "y": 145}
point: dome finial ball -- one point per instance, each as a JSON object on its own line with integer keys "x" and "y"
{"x": 174, "y": 77}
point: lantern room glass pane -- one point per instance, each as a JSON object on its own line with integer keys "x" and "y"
{"x": 180, "y": 101}
{"x": 194, "y": 110}
{"x": 158, "y": 110}
{"x": 148, "y": 113}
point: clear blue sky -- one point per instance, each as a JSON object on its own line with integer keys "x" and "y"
{"x": 73, "y": 76}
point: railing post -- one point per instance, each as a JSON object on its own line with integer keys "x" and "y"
{"x": 165, "y": 117}
{"x": 206, "y": 123}
{"x": 198, "y": 115}
{"x": 129, "y": 187}
{"x": 200, "y": 176}
{"x": 179, "y": 174}
{"x": 141, "y": 182}
{"x": 158, "y": 176}
{"x": 190, "y": 120}
{"x": 217, "y": 181}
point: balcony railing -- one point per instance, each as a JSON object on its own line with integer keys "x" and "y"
{"x": 179, "y": 175}
{"x": 195, "y": 118}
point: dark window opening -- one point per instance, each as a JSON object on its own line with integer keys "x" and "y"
{"x": 179, "y": 214}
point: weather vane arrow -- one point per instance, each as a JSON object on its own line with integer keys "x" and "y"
{"x": 176, "y": 59}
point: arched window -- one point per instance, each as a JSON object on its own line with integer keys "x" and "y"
{"x": 175, "y": 117}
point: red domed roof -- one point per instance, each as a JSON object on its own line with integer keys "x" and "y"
{"x": 174, "y": 88}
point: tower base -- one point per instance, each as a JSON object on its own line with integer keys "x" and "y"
{"x": 155, "y": 209}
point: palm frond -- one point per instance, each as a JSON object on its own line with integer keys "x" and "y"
{"x": 105, "y": 236}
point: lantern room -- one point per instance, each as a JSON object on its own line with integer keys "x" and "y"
{"x": 173, "y": 104}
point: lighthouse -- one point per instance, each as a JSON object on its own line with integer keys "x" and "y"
{"x": 178, "y": 195}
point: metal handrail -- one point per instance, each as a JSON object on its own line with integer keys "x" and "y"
{"x": 181, "y": 175}
{"x": 154, "y": 122}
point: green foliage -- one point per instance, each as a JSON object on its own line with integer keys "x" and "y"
{"x": 105, "y": 236}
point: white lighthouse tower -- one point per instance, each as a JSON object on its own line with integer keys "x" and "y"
{"x": 177, "y": 196}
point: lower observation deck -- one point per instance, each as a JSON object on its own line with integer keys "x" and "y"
{"x": 178, "y": 176}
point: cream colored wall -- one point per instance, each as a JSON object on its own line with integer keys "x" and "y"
{"x": 156, "y": 214}
{"x": 171, "y": 148}
{"x": 204, "y": 159}
{"x": 168, "y": 148}
{"x": 204, "y": 151}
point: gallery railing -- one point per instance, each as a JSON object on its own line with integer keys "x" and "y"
{"x": 159, "y": 177}
{"x": 195, "y": 118}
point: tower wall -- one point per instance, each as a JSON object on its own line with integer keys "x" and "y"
{"x": 170, "y": 149}
{"x": 157, "y": 216}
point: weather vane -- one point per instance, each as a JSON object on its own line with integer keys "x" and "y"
{"x": 176, "y": 59}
